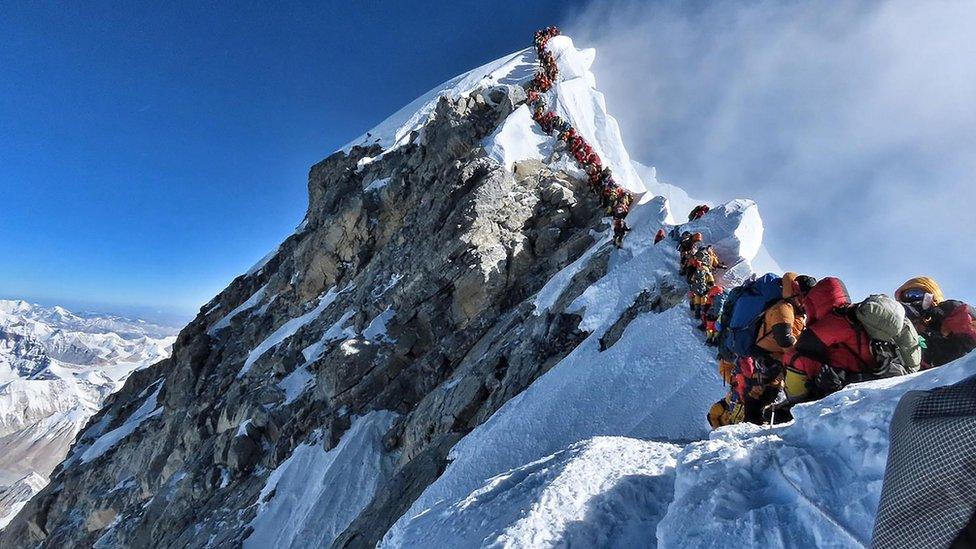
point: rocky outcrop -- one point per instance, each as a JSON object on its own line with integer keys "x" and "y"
{"x": 405, "y": 289}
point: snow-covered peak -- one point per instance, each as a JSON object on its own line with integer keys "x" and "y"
{"x": 575, "y": 98}
{"x": 515, "y": 69}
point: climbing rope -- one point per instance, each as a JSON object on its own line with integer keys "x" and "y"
{"x": 616, "y": 199}
{"x": 818, "y": 508}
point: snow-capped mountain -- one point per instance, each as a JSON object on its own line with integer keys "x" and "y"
{"x": 56, "y": 368}
{"x": 449, "y": 352}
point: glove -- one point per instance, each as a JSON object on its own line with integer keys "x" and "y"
{"x": 830, "y": 379}
{"x": 779, "y": 400}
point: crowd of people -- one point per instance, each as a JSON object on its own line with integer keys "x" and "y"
{"x": 616, "y": 199}
{"x": 781, "y": 340}
{"x": 784, "y": 340}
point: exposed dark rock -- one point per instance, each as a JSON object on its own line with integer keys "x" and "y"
{"x": 453, "y": 244}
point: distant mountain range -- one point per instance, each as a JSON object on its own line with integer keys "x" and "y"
{"x": 56, "y": 368}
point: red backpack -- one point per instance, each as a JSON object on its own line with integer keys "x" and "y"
{"x": 961, "y": 321}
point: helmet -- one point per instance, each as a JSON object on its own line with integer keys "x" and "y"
{"x": 697, "y": 237}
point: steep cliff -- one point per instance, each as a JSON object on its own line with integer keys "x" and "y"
{"x": 400, "y": 311}
{"x": 449, "y": 351}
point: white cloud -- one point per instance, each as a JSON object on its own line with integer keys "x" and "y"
{"x": 852, "y": 124}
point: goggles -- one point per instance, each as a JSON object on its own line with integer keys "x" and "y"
{"x": 913, "y": 295}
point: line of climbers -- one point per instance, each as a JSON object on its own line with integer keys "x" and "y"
{"x": 781, "y": 340}
{"x": 616, "y": 199}
{"x": 784, "y": 340}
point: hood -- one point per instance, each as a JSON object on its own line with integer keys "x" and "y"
{"x": 826, "y": 295}
{"x": 923, "y": 283}
{"x": 789, "y": 288}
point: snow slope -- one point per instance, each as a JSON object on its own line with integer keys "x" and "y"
{"x": 314, "y": 494}
{"x": 654, "y": 383}
{"x": 603, "y": 492}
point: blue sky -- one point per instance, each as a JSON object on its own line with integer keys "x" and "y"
{"x": 151, "y": 153}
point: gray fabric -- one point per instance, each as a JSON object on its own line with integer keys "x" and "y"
{"x": 929, "y": 491}
{"x": 884, "y": 319}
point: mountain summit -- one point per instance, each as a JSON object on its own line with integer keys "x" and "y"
{"x": 449, "y": 351}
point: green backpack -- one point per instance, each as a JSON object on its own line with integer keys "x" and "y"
{"x": 884, "y": 320}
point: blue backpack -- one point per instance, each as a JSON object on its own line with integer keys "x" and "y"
{"x": 752, "y": 300}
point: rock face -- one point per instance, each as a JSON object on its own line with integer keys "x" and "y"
{"x": 405, "y": 290}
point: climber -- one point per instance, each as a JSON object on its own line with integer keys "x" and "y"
{"x": 749, "y": 383}
{"x": 948, "y": 326}
{"x": 779, "y": 326}
{"x": 829, "y": 347}
{"x": 727, "y": 411}
{"x": 659, "y": 236}
{"x": 548, "y": 122}
{"x": 607, "y": 178}
{"x": 704, "y": 258}
{"x": 594, "y": 160}
{"x": 702, "y": 281}
{"x": 620, "y": 230}
{"x": 784, "y": 320}
{"x": 845, "y": 343}
{"x": 620, "y": 201}
{"x": 700, "y": 259}
{"x": 688, "y": 247}
{"x": 594, "y": 178}
{"x": 698, "y": 212}
{"x": 713, "y": 307}
{"x": 742, "y": 310}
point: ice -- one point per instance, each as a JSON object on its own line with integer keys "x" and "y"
{"x": 287, "y": 330}
{"x": 734, "y": 229}
{"x": 313, "y": 495}
{"x": 295, "y": 383}
{"x": 242, "y": 428}
{"x": 107, "y": 441}
{"x": 251, "y": 302}
{"x": 338, "y": 331}
{"x": 518, "y": 138}
{"x": 11, "y": 513}
{"x": 514, "y": 69}
{"x": 377, "y": 184}
{"x": 256, "y": 268}
{"x": 377, "y": 326}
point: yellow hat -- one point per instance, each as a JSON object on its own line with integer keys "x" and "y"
{"x": 923, "y": 283}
